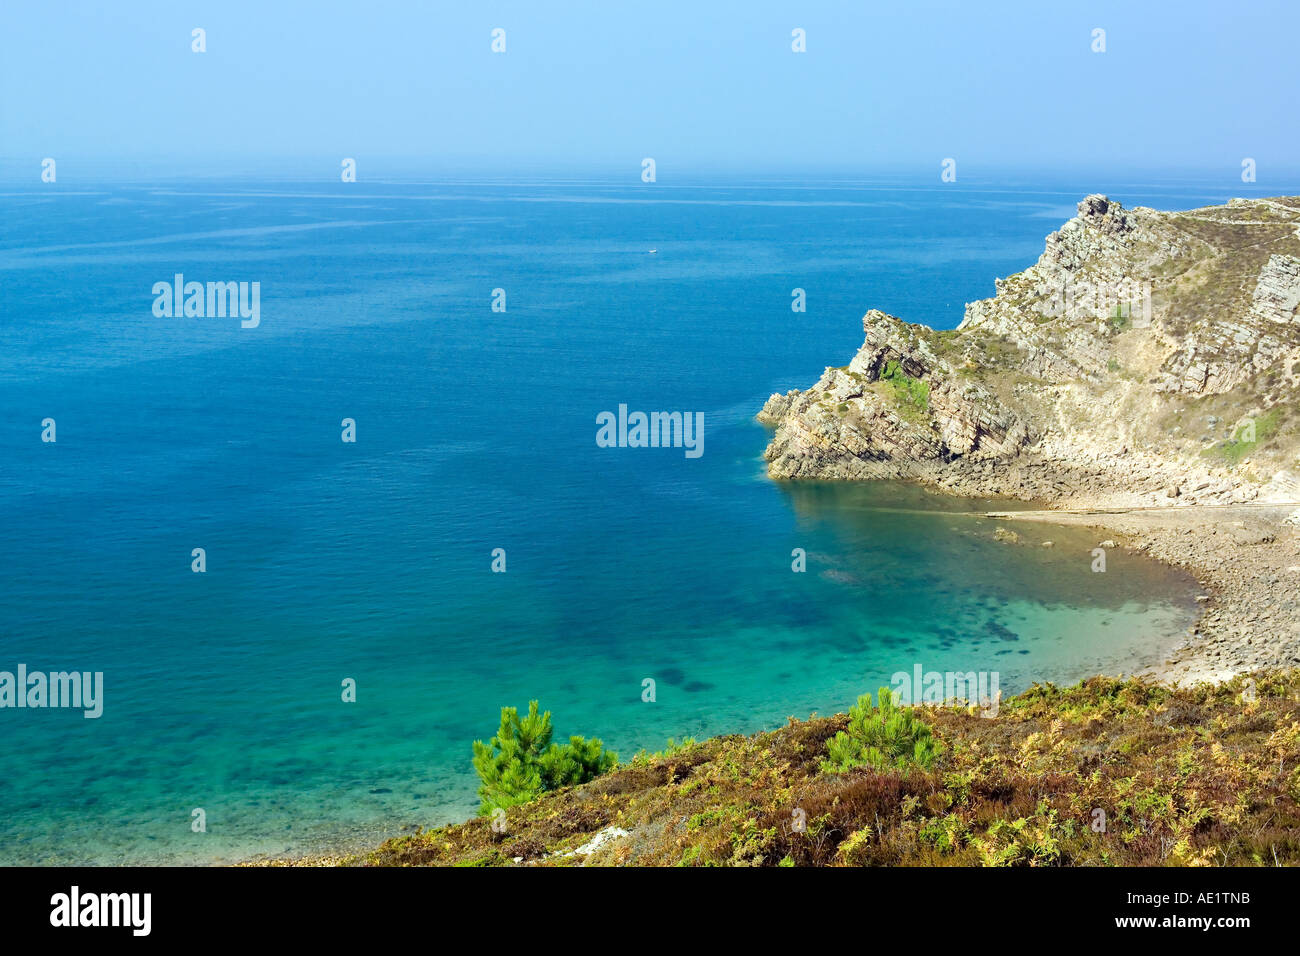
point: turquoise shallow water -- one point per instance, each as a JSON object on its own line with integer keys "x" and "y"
{"x": 476, "y": 430}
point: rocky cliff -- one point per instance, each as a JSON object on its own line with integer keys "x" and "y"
{"x": 1146, "y": 357}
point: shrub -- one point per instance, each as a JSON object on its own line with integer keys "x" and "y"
{"x": 521, "y": 763}
{"x": 1244, "y": 439}
{"x": 885, "y": 737}
{"x": 911, "y": 394}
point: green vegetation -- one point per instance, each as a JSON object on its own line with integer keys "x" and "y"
{"x": 885, "y": 737}
{"x": 675, "y": 747}
{"x": 948, "y": 344}
{"x": 1245, "y": 438}
{"x": 912, "y": 395}
{"x": 1198, "y": 776}
{"x": 999, "y": 353}
{"x": 520, "y": 763}
{"x": 671, "y": 749}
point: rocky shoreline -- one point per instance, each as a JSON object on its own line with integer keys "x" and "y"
{"x": 1247, "y": 558}
{"x": 1138, "y": 379}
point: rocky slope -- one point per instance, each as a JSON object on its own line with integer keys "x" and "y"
{"x": 1147, "y": 358}
{"x": 1186, "y": 777}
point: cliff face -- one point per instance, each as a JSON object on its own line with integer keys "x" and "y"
{"x": 1146, "y": 356}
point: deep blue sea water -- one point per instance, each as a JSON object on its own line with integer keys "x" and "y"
{"x": 475, "y": 430}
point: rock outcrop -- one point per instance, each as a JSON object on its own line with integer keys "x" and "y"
{"x": 1147, "y": 358}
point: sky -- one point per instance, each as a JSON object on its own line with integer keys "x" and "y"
{"x": 696, "y": 85}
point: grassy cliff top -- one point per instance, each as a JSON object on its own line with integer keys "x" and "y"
{"x": 1201, "y": 776}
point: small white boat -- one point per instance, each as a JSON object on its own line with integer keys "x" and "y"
{"x": 653, "y": 251}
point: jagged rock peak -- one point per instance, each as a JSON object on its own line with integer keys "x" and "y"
{"x": 1104, "y": 214}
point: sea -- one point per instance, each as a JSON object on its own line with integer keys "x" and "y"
{"x": 300, "y": 636}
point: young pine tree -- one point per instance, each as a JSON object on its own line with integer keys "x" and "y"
{"x": 888, "y": 737}
{"x": 521, "y": 763}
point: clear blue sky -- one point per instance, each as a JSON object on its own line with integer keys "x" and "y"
{"x": 697, "y": 85}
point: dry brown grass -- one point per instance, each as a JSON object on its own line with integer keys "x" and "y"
{"x": 1184, "y": 777}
